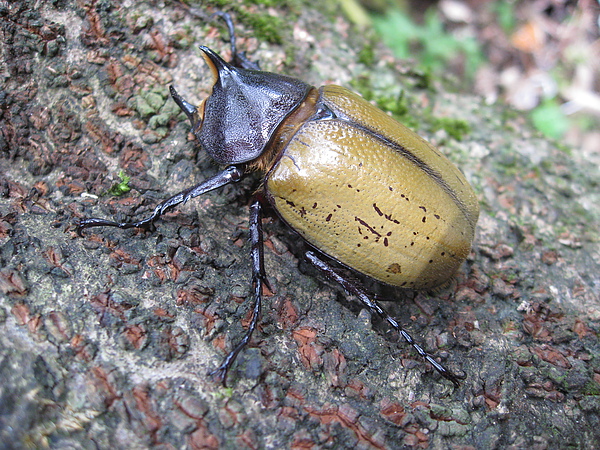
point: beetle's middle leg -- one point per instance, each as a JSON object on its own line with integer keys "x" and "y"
{"x": 230, "y": 175}
{"x": 362, "y": 295}
{"x": 259, "y": 278}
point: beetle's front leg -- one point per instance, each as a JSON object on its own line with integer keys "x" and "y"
{"x": 238, "y": 59}
{"x": 230, "y": 175}
{"x": 259, "y": 278}
{"x": 362, "y": 295}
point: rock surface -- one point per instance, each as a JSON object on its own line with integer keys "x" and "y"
{"x": 105, "y": 340}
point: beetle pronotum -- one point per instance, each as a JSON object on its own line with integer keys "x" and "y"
{"x": 358, "y": 186}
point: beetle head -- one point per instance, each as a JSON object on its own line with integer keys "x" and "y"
{"x": 237, "y": 121}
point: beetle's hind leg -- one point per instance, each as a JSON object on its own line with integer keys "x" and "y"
{"x": 359, "y": 292}
{"x": 259, "y": 279}
{"x": 229, "y": 175}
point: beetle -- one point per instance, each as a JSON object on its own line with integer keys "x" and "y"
{"x": 360, "y": 188}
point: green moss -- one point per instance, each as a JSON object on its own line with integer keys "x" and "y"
{"x": 221, "y": 3}
{"x": 122, "y": 187}
{"x": 225, "y": 393}
{"x": 149, "y": 102}
{"x": 158, "y": 120}
{"x": 266, "y": 3}
{"x": 510, "y": 277}
{"x": 403, "y": 111}
{"x": 366, "y": 55}
{"x": 398, "y": 105}
{"x": 423, "y": 79}
{"x": 254, "y": 14}
{"x": 456, "y": 128}
{"x": 564, "y": 148}
{"x": 266, "y": 27}
{"x": 183, "y": 37}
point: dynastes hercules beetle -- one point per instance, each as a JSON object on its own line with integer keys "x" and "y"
{"x": 358, "y": 186}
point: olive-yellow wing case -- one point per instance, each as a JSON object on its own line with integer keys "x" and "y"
{"x": 375, "y": 196}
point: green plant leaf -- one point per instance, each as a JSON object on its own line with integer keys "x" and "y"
{"x": 549, "y": 119}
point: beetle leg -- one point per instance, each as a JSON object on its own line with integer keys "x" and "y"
{"x": 238, "y": 59}
{"x": 259, "y": 278}
{"x": 356, "y": 290}
{"x": 229, "y": 175}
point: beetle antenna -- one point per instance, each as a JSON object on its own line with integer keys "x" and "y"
{"x": 352, "y": 288}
